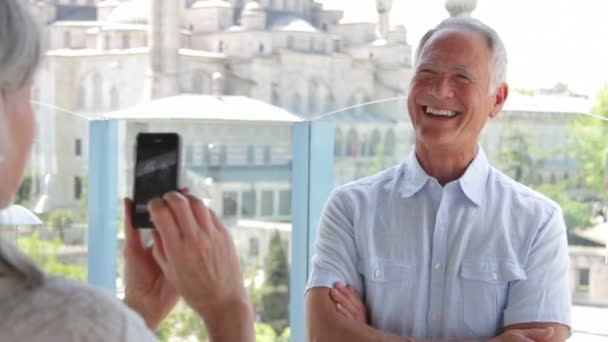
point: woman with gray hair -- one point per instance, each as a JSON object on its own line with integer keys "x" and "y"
{"x": 39, "y": 307}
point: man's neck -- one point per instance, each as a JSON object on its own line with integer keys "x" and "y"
{"x": 444, "y": 163}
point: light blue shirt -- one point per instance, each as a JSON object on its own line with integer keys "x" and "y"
{"x": 459, "y": 261}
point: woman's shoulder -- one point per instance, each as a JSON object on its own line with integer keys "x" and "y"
{"x": 70, "y": 310}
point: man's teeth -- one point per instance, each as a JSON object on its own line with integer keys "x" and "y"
{"x": 442, "y": 112}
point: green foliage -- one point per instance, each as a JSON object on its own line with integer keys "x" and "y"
{"x": 285, "y": 336}
{"x": 380, "y": 162}
{"x": 264, "y": 333}
{"x": 517, "y": 158}
{"x": 523, "y": 91}
{"x": 183, "y": 323}
{"x": 23, "y": 195}
{"x": 44, "y": 254}
{"x": 60, "y": 220}
{"x": 83, "y": 204}
{"x": 275, "y": 264}
{"x": 590, "y": 145}
{"x": 274, "y": 298}
{"x": 576, "y": 214}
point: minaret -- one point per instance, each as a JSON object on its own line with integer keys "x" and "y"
{"x": 460, "y": 7}
{"x": 163, "y": 31}
{"x": 384, "y": 10}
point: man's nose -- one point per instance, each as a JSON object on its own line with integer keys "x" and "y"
{"x": 442, "y": 88}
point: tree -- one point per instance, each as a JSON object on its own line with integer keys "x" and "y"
{"x": 590, "y": 146}
{"x": 60, "y": 220}
{"x": 275, "y": 294}
{"x": 518, "y": 158}
{"x": 44, "y": 253}
{"x": 23, "y": 195}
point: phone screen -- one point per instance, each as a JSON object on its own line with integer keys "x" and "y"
{"x": 156, "y": 172}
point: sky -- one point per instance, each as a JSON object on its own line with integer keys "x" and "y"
{"x": 547, "y": 41}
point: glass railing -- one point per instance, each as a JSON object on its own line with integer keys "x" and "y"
{"x": 246, "y": 170}
{"x": 562, "y": 155}
{"x": 242, "y": 170}
{"x": 49, "y": 212}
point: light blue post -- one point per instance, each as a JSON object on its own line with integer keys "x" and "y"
{"x": 312, "y": 181}
{"x": 103, "y": 198}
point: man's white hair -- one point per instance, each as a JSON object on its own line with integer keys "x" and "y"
{"x": 498, "y": 53}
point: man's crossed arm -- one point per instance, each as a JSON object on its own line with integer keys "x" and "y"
{"x": 339, "y": 314}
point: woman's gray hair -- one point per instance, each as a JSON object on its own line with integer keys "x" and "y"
{"x": 20, "y": 54}
{"x": 21, "y": 46}
{"x": 498, "y": 60}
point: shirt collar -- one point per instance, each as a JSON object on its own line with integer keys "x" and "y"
{"x": 414, "y": 177}
{"x": 472, "y": 181}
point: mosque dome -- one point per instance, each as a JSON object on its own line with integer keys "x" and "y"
{"x": 211, "y": 3}
{"x": 131, "y": 12}
{"x": 460, "y": 7}
{"x": 252, "y": 7}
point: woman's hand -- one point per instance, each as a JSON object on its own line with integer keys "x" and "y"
{"x": 198, "y": 256}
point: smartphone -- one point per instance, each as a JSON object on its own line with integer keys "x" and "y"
{"x": 157, "y": 160}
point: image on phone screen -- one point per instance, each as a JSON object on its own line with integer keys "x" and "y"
{"x": 156, "y": 172}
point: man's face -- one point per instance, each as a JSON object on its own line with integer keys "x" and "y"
{"x": 449, "y": 100}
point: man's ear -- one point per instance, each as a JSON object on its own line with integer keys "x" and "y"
{"x": 499, "y": 97}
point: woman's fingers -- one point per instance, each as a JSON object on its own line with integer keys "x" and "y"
{"x": 182, "y": 214}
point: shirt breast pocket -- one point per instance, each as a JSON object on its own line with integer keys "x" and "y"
{"x": 485, "y": 285}
{"x": 387, "y": 291}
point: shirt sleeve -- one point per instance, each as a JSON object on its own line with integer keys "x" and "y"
{"x": 544, "y": 296}
{"x": 335, "y": 257}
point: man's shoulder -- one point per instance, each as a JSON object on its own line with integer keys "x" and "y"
{"x": 372, "y": 183}
{"x": 506, "y": 188}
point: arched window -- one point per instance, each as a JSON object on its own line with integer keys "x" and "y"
{"x": 374, "y": 143}
{"x": 97, "y": 92}
{"x": 330, "y": 103}
{"x": 389, "y": 143}
{"x": 67, "y": 39}
{"x": 338, "y": 143}
{"x": 82, "y": 97}
{"x": 114, "y": 99}
{"x": 250, "y": 154}
{"x": 352, "y": 143}
{"x": 276, "y": 97}
{"x": 200, "y": 84}
{"x": 220, "y": 47}
{"x": 126, "y": 41}
{"x": 313, "y": 96}
{"x": 296, "y": 103}
{"x": 107, "y": 41}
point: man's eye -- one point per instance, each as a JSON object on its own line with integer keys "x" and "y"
{"x": 463, "y": 77}
{"x": 426, "y": 71}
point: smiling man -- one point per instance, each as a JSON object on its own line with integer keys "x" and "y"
{"x": 443, "y": 246}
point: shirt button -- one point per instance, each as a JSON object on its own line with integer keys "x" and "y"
{"x": 438, "y": 266}
{"x": 378, "y": 274}
{"x": 495, "y": 276}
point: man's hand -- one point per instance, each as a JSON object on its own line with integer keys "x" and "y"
{"x": 147, "y": 290}
{"x": 525, "y": 335}
{"x": 348, "y": 302}
{"x": 198, "y": 256}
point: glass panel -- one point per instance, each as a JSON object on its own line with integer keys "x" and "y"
{"x": 559, "y": 153}
{"x": 48, "y": 218}
{"x": 220, "y": 166}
